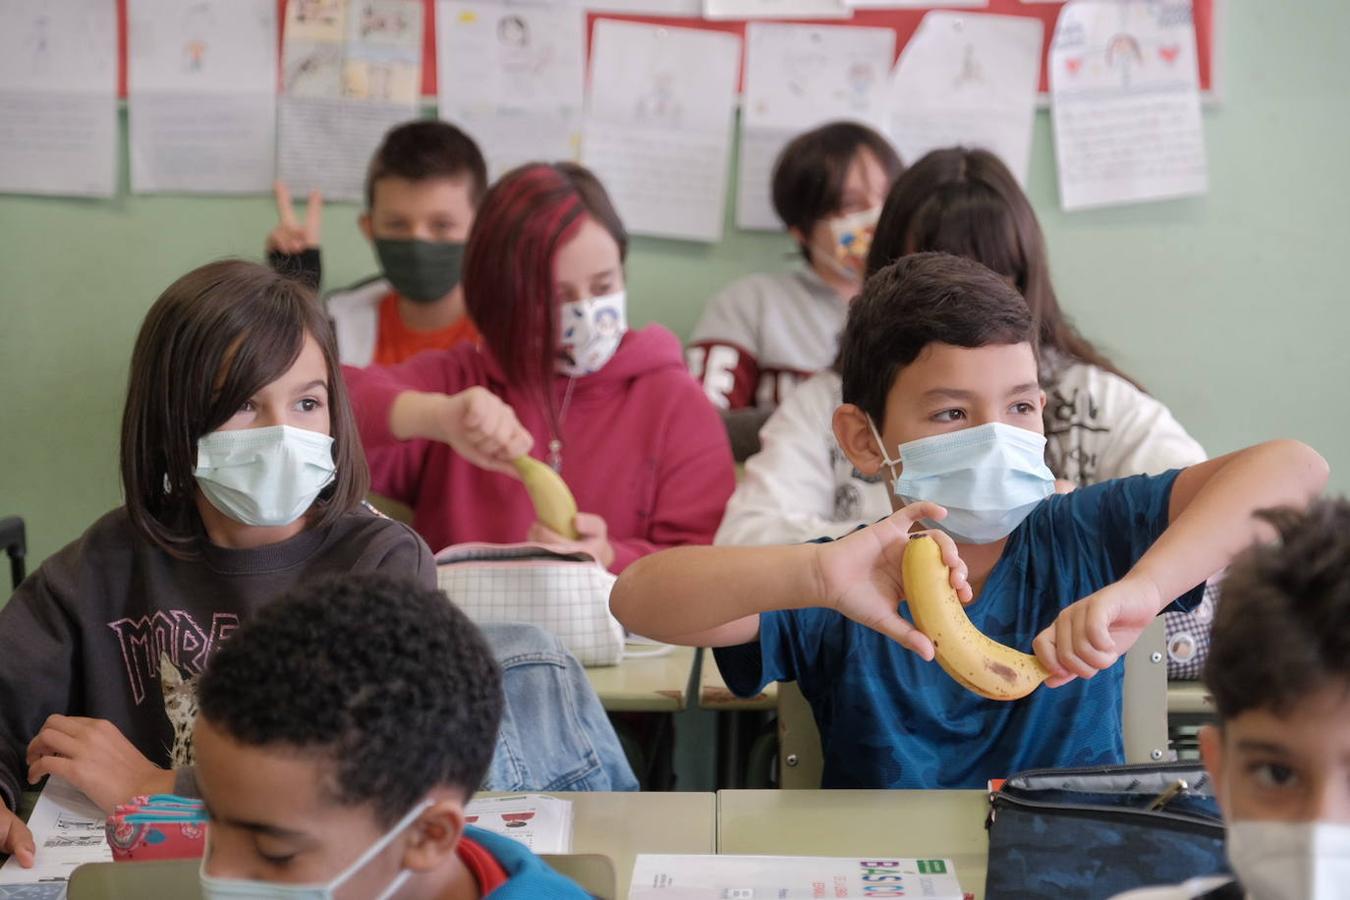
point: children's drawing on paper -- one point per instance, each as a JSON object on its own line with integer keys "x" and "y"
{"x": 658, "y": 104}
{"x": 197, "y": 22}
{"x": 313, "y": 70}
{"x": 315, "y": 20}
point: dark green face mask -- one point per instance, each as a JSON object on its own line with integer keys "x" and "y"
{"x": 422, "y": 271}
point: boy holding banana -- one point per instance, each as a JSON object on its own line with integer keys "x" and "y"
{"x": 941, "y": 397}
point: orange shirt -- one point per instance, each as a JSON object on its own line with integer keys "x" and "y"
{"x": 395, "y": 342}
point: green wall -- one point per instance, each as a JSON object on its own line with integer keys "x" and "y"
{"x": 1228, "y": 307}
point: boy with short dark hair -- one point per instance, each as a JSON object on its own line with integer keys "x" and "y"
{"x": 940, "y": 369}
{"x": 423, "y": 188}
{"x": 340, "y": 735}
{"x": 1279, "y": 672}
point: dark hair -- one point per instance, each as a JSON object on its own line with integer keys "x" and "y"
{"x": 212, "y": 340}
{"x": 1282, "y": 630}
{"x": 388, "y": 682}
{"x": 967, "y": 202}
{"x": 424, "y": 149}
{"x": 809, "y": 175}
{"x": 916, "y": 301}
{"x": 509, "y": 289}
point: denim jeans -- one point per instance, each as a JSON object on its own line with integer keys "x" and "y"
{"x": 554, "y": 734}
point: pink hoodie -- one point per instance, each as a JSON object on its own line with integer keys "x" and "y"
{"x": 642, "y": 448}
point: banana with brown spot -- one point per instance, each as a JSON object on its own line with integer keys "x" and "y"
{"x": 553, "y": 502}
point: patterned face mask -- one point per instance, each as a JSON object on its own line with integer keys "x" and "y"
{"x": 591, "y": 331}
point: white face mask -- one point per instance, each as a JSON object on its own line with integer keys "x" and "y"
{"x": 1290, "y": 860}
{"x": 591, "y": 330}
{"x": 215, "y": 888}
{"x": 988, "y": 478}
{"x": 264, "y": 476}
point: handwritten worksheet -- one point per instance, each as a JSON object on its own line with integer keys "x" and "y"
{"x": 658, "y": 128}
{"x": 970, "y": 81}
{"x": 1125, "y": 103}
{"x": 513, "y": 76}
{"x": 69, "y": 832}
{"x": 58, "y": 97}
{"x": 201, "y": 95}
{"x": 798, "y": 77}
{"x": 351, "y": 70}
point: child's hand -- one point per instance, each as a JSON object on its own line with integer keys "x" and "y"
{"x": 860, "y": 574}
{"x": 479, "y": 427}
{"x": 594, "y": 538}
{"x": 96, "y": 757}
{"x": 16, "y": 839}
{"x": 290, "y": 237}
{"x": 1093, "y": 633}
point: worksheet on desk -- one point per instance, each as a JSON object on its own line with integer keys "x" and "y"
{"x": 69, "y": 832}
{"x": 968, "y": 81}
{"x": 798, "y": 77}
{"x": 201, "y": 95}
{"x": 350, "y": 72}
{"x": 666, "y": 877}
{"x": 513, "y": 76}
{"x": 58, "y": 97}
{"x": 544, "y": 824}
{"x": 1125, "y": 103}
{"x": 658, "y": 126}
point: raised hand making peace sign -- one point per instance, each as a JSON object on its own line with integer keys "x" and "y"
{"x": 290, "y": 237}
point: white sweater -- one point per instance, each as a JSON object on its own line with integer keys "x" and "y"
{"x": 801, "y": 486}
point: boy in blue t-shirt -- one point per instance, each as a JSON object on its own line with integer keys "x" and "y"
{"x": 941, "y": 393}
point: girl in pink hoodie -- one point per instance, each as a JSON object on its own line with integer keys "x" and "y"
{"x": 558, "y": 375}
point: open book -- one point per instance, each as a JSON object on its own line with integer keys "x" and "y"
{"x": 763, "y": 877}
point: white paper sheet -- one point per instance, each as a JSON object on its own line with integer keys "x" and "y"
{"x": 201, "y": 85}
{"x": 513, "y": 76}
{"x": 968, "y": 80}
{"x": 663, "y": 877}
{"x": 58, "y": 97}
{"x": 1125, "y": 103}
{"x": 544, "y": 824}
{"x": 916, "y": 4}
{"x": 776, "y": 9}
{"x": 68, "y": 831}
{"x": 798, "y": 77}
{"x": 658, "y": 128}
{"x": 641, "y": 7}
{"x": 351, "y": 70}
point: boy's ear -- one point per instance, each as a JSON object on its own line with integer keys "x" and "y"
{"x": 435, "y": 835}
{"x": 1211, "y": 751}
{"x": 363, "y": 222}
{"x": 852, "y": 431}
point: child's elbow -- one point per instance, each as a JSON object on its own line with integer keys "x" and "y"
{"x": 1308, "y": 466}
{"x": 623, "y": 597}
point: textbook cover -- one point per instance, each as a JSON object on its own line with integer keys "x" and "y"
{"x": 662, "y": 877}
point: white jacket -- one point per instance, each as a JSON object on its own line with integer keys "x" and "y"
{"x": 801, "y": 486}
{"x": 355, "y": 312}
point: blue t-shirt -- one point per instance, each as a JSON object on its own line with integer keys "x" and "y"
{"x": 889, "y": 719}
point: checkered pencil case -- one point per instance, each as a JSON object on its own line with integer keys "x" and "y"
{"x": 563, "y": 593}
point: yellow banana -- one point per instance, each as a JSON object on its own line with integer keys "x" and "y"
{"x": 977, "y": 662}
{"x": 553, "y": 502}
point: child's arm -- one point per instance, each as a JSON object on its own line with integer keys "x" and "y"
{"x": 712, "y": 596}
{"x": 1209, "y": 522}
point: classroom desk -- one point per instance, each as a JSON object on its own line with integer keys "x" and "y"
{"x": 652, "y": 684}
{"x": 622, "y": 825}
{"x": 918, "y": 824}
{"x": 1188, "y": 698}
{"x": 713, "y": 692}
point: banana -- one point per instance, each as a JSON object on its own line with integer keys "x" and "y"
{"x": 553, "y": 502}
{"x": 979, "y": 663}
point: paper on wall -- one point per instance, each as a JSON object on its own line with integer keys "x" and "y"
{"x": 798, "y": 77}
{"x": 658, "y": 129}
{"x": 775, "y": 9}
{"x": 682, "y": 8}
{"x": 351, "y": 70}
{"x": 68, "y": 830}
{"x": 916, "y": 4}
{"x": 544, "y": 824}
{"x": 1125, "y": 103}
{"x": 970, "y": 81}
{"x": 666, "y": 877}
{"x": 201, "y": 95}
{"x": 513, "y": 77}
{"x": 58, "y": 97}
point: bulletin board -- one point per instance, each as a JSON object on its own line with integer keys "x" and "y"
{"x": 903, "y": 21}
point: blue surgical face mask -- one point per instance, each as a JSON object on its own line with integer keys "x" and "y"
{"x": 988, "y": 478}
{"x": 216, "y": 888}
{"x": 264, "y": 476}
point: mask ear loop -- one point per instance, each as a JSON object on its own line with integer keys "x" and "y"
{"x": 881, "y": 445}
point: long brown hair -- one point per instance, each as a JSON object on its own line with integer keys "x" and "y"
{"x": 966, "y": 202}
{"x": 212, "y": 340}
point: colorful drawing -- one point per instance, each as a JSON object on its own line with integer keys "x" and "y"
{"x": 385, "y": 82}
{"x": 392, "y": 22}
{"x": 313, "y": 70}
{"x": 197, "y": 23}
{"x": 315, "y": 20}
